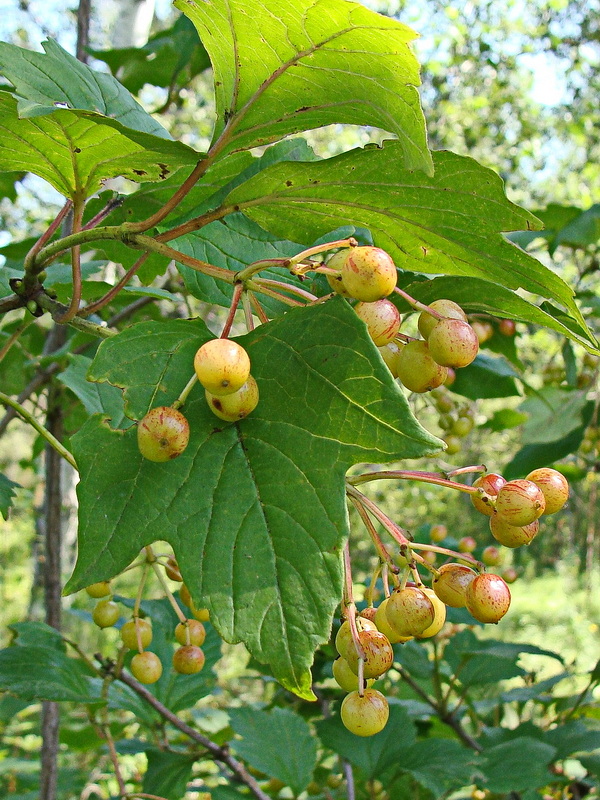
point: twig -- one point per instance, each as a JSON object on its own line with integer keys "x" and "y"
{"x": 218, "y": 753}
{"x": 114, "y": 291}
{"x": 52, "y": 440}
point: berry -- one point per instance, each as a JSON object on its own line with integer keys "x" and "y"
{"x": 172, "y": 570}
{"x": 410, "y": 611}
{"x": 106, "y": 613}
{"x": 163, "y": 434}
{"x": 483, "y": 330}
{"x": 236, "y": 406}
{"x": 450, "y": 377}
{"x": 453, "y": 445}
{"x": 379, "y": 655}
{"x": 146, "y": 667}
{"x": 491, "y": 485}
{"x": 467, "y": 544}
{"x": 129, "y": 635}
{"x": 345, "y": 678}
{"x": 462, "y": 427}
{"x": 438, "y": 533}
{"x": 453, "y": 343}
{"x": 368, "y": 613}
{"x": 507, "y": 327}
{"x": 335, "y": 281}
{"x": 447, "y": 308}
{"x": 439, "y": 615}
{"x": 554, "y": 486}
{"x": 343, "y": 640}
{"x": 384, "y": 626}
{"x": 510, "y": 575}
{"x": 491, "y": 556}
{"x": 222, "y": 366}
{"x": 520, "y": 502}
{"x": 368, "y": 274}
{"x": 97, "y": 590}
{"x": 513, "y": 535}
{"x": 197, "y": 632}
{"x": 417, "y": 370}
{"x": 188, "y": 659}
{"x": 488, "y": 598}
{"x": 390, "y": 354}
{"x": 382, "y": 319}
{"x": 450, "y": 585}
{"x": 366, "y": 715}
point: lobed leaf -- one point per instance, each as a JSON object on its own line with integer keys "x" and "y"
{"x": 7, "y": 492}
{"x": 447, "y": 224}
{"x": 255, "y": 511}
{"x": 283, "y": 68}
{"x": 76, "y": 151}
{"x": 55, "y": 79}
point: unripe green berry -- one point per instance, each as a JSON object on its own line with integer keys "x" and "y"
{"x": 368, "y": 274}
{"x": 97, "y": 590}
{"x": 520, "y": 502}
{"x": 488, "y": 598}
{"x": 417, "y": 369}
{"x": 163, "y": 434}
{"x": 146, "y": 667}
{"x": 366, "y": 715}
{"x": 188, "y": 660}
{"x": 554, "y": 487}
{"x": 382, "y": 319}
{"x": 222, "y": 366}
{"x": 450, "y": 585}
{"x": 513, "y": 535}
{"x": 106, "y": 613}
{"x": 235, "y": 407}
{"x": 453, "y": 343}
{"x": 447, "y": 308}
{"x": 129, "y": 633}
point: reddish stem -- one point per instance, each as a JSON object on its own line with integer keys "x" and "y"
{"x": 408, "y": 475}
{"x": 28, "y": 263}
{"x": 235, "y": 300}
{"x": 98, "y": 304}
{"x": 416, "y": 304}
{"x": 75, "y": 267}
{"x": 379, "y": 546}
{"x": 260, "y": 313}
{"x": 101, "y": 215}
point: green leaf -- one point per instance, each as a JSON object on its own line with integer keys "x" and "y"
{"x": 486, "y": 377}
{"x": 283, "y": 68}
{"x": 582, "y": 230}
{"x": 533, "y": 456}
{"x": 477, "y": 295}
{"x": 255, "y": 511}
{"x": 447, "y": 224}
{"x": 376, "y": 754}
{"x": 38, "y": 634}
{"x": 46, "y": 81}
{"x": 573, "y": 737}
{"x": 169, "y": 58}
{"x": 278, "y": 743}
{"x": 504, "y": 419}
{"x": 440, "y": 765}
{"x": 535, "y": 691}
{"x": 516, "y": 765}
{"x": 168, "y": 773}
{"x": 234, "y": 243}
{"x": 96, "y": 398}
{"x": 553, "y": 414}
{"x": 8, "y": 184}
{"x": 7, "y": 492}
{"x": 44, "y": 673}
{"x": 76, "y": 151}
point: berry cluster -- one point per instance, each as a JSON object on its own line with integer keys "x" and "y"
{"x": 223, "y": 368}
{"x": 368, "y": 274}
{"x": 415, "y": 611}
{"x": 136, "y": 633}
{"x": 455, "y": 419}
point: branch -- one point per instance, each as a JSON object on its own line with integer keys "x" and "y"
{"x": 52, "y": 440}
{"x": 218, "y": 753}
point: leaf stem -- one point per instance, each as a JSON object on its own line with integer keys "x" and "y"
{"x": 185, "y": 392}
{"x": 52, "y": 440}
{"x": 417, "y": 305}
{"x": 114, "y": 291}
{"x": 238, "y": 290}
{"x": 78, "y": 207}
{"x": 30, "y": 258}
{"x": 408, "y": 475}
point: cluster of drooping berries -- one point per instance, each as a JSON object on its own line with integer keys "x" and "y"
{"x": 368, "y": 275}
{"x": 515, "y": 507}
{"x": 410, "y": 612}
{"x": 223, "y": 368}
{"x": 136, "y": 633}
